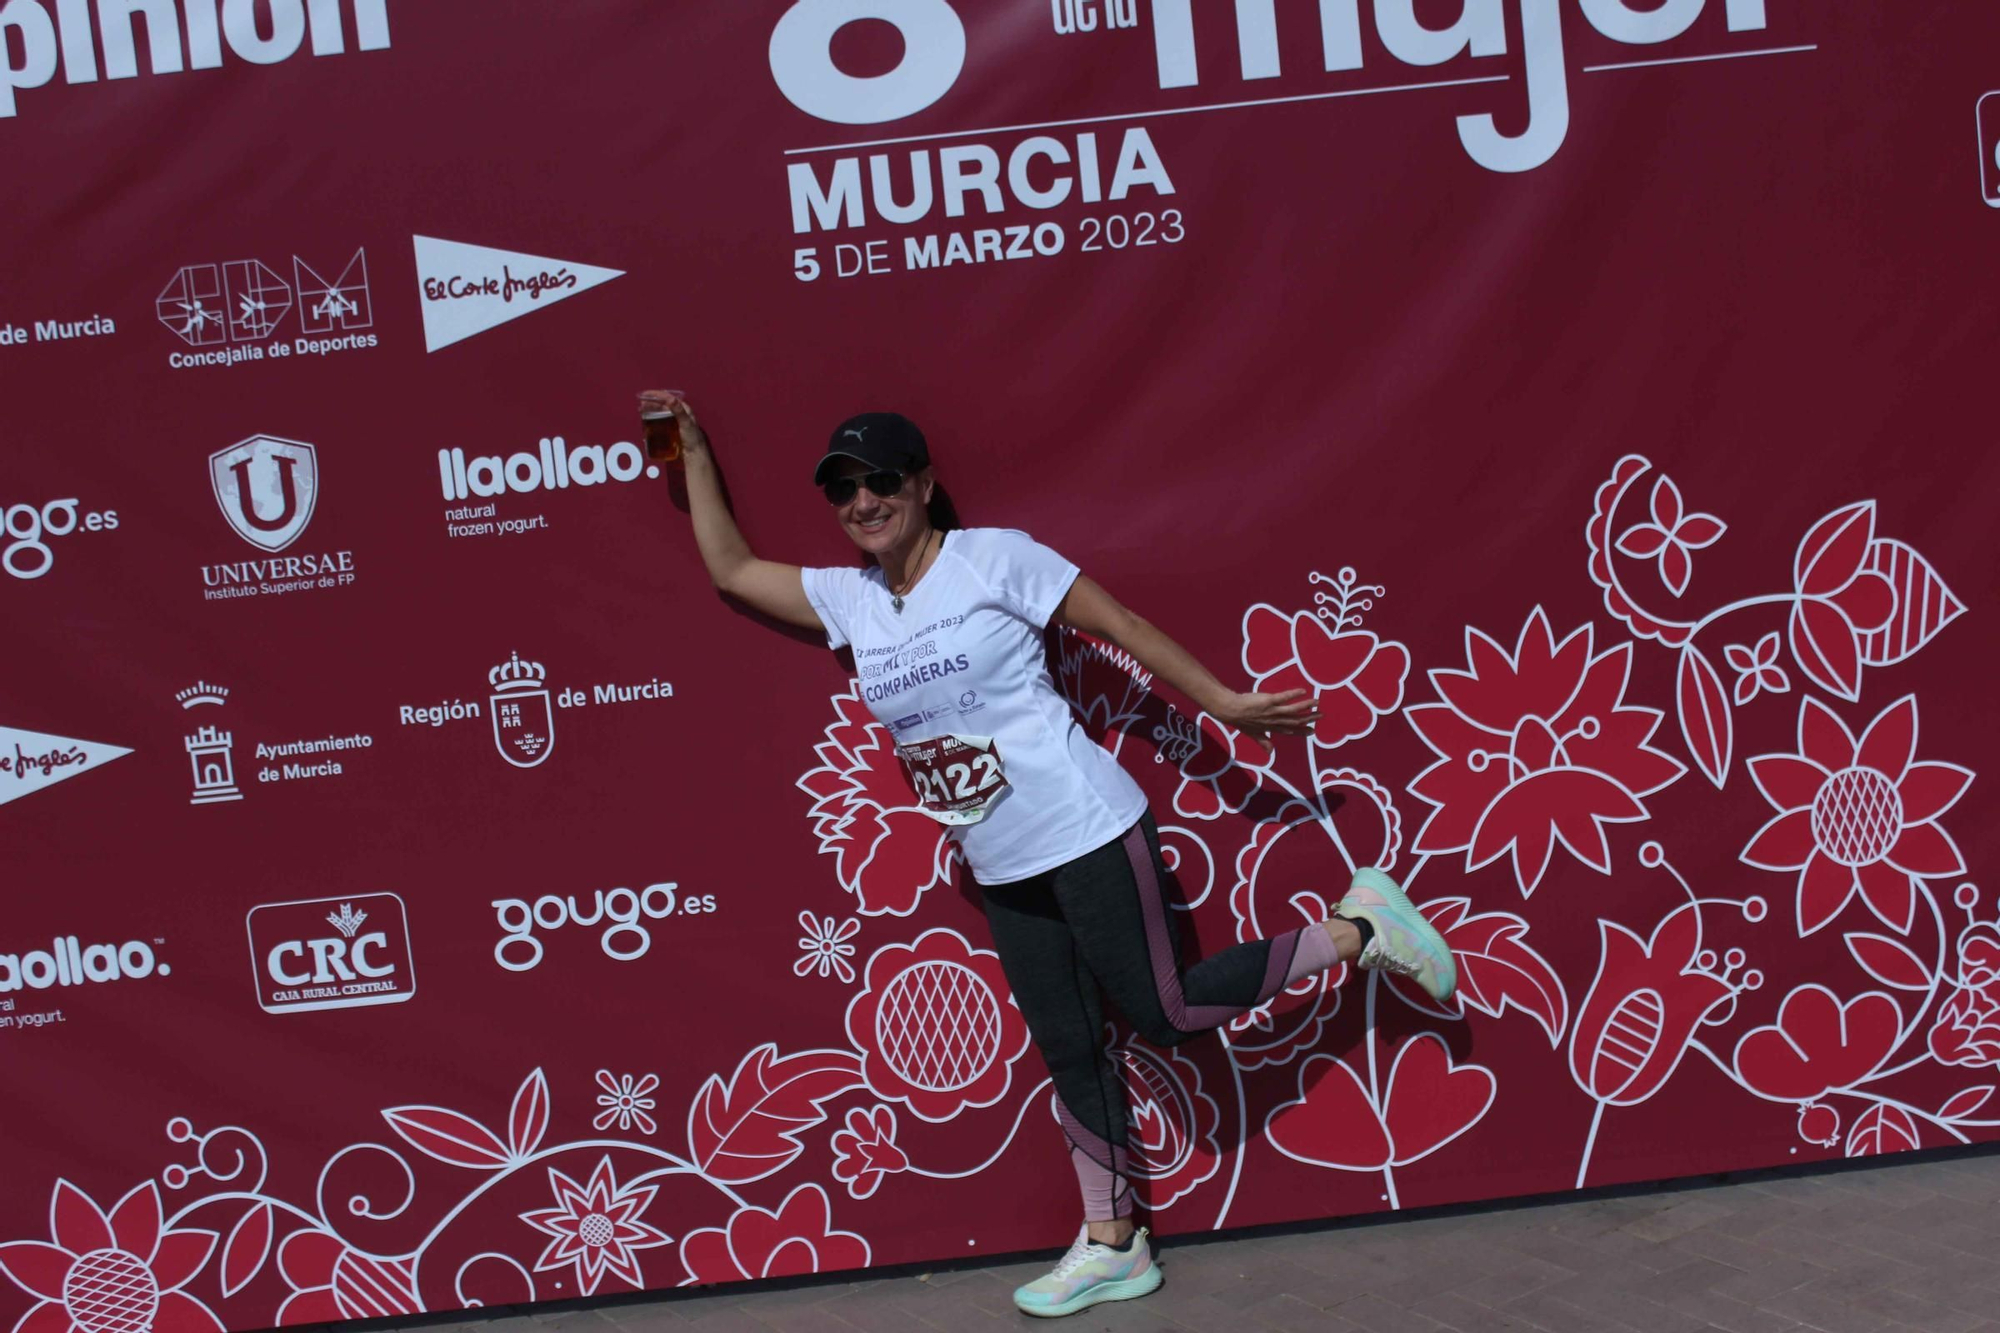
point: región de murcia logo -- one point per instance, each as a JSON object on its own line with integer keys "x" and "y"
{"x": 523, "y": 707}
{"x": 524, "y": 722}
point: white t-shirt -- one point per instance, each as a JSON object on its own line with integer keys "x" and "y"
{"x": 965, "y": 656}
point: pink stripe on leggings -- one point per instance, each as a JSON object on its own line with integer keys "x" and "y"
{"x": 1103, "y": 1171}
{"x": 1294, "y": 954}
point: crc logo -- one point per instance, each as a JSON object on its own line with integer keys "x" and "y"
{"x": 267, "y": 488}
{"x": 212, "y": 305}
{"x": 1988, "y": 111}
{"x": 331, "y": 953}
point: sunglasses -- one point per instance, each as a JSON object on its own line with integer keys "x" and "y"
{"x": 884, "y": 483}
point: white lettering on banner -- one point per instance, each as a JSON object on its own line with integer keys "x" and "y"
{"x": 66, "y": 962}
{"x": 66, "y": 41}
{"x": 57, "y": 330}
{"x": 625, "y": 938}
{"x": 553, "y": 466}
{"x": 468, "y": 289}
{"x": 802, "y": 59}
{"x": 974, "y": 170}
{"x": 1083, "y": 15}
{"x": 934, "y": 54}
{"x": 26, "y": 555}
{"x": 32, "y": 760}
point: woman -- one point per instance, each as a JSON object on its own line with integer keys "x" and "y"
{"x": 947, "y": 633}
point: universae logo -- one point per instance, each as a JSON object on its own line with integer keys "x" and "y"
{"x": 260, "y": 32}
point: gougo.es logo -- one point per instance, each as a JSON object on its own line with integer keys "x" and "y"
{"x": 624, "y": 914}
{"x": 26, "y": 555}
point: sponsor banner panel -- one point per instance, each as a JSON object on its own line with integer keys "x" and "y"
{"x": 1582, "y": 401}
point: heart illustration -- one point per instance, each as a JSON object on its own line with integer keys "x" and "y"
{"x": 1332, "y": 1123}
{"x": 1819, "y": 1043}
{"x": 1267, "y": 640}
{"x": 1432, "y": 1101}
{"x": 1330, "y": 659}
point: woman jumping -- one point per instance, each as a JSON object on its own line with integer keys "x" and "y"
{"x": 947, "y": 632}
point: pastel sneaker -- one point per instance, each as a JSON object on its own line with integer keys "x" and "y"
{"x": 1090, "y": 1274}
{"x": 1405, "y": 942}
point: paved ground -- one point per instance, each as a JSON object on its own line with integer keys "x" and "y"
{"x": 1905, "y": 1245}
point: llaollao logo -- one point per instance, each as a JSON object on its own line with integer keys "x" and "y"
{"x": 70, "y": 962}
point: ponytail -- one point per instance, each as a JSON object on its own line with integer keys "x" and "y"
{"x": 942, "y": 512}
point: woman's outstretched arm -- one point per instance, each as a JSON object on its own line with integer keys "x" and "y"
{"x": 764, "y": 585}
{"x": 1089, "y": 608}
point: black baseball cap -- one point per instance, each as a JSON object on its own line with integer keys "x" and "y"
{"x": 880, "y": 439}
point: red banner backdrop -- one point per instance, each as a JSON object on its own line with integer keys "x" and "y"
{"x": 423, "y": 891}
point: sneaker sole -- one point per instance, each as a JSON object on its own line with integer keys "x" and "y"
{"x": 1129, "y": 1289}
{"x": 1392, "y": 893}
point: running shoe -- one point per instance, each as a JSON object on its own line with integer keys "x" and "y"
{"x": 1090, "y": 1274}
{"x": 1405, "y": 942}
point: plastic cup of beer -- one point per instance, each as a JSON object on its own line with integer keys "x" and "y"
{"x": 663, "y": 434}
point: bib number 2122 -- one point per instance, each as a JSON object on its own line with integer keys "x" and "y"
{"x": 955, "y": 777}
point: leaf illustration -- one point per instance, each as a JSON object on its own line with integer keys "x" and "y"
{"x": 1706, "y": 723}
{"x": 1924, "y": 605}
{"x": 1332, "y": 1123}
{"x": 1629, "y": 1038}
{"x": 528, "y": 1119}
{"x": 1964, "y": 1102}
{"x": 749, "y": 1127}
{"x": 1889, "y": 961}
{"x": 1882, "y": 1129}
{"x": 448, "y": 1136}
{"x": 1431, "y": 1101}
{"x": 1826, "y": 648}
{"x": 1831, "y": 553}
{"x": 249, "y": 1244}
{"x": 1495, "y": 969}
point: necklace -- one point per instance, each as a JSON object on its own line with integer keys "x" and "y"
{"x": 895, "y": 595}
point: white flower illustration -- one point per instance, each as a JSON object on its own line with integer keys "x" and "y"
{"x": 625, "y": 1101}
{"x": 826, "y": 946}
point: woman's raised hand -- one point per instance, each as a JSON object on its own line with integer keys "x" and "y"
{"x": 693, "y": 438}
{"x": 1262, "y": 716}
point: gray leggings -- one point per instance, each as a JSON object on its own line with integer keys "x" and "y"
{"x": 1102, "y": 921}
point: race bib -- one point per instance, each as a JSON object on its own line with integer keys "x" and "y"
{"x": 955, "y": 777}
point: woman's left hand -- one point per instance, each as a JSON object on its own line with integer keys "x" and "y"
{"x": 1261, "y": 716}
